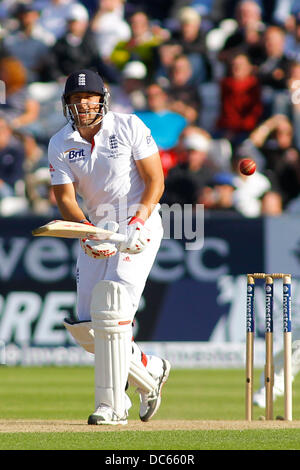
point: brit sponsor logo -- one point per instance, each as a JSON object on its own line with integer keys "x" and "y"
{"x": 75, "y": 154}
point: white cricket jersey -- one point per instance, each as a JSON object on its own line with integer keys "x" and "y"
{"x": 105, "y": 173}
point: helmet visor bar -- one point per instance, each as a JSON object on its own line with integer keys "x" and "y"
{"x": 85, "y": 115}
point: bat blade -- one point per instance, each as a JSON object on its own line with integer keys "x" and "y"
{"x": 65, "y": 229}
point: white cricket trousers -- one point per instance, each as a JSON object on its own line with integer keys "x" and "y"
{"x": 130, "y": 270}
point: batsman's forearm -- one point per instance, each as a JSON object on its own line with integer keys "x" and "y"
{"x": 65, "y": 196}
{"x": 150, "y": 198}
{"x": 69, "y": 209}
{"x": 71, "y": 213}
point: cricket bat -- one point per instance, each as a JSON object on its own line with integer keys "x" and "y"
{"x": 65, "y": 229}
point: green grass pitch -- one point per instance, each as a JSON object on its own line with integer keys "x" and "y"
{"x": 67, "y": 393}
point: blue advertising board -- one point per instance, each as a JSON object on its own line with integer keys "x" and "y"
{"x": 191, "y": 295}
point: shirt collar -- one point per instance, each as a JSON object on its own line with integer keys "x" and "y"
{"x": 71, "y": 133}
{"x": 107, "y": 121}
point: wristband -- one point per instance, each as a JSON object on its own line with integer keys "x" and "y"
{"x": 134, "y": 220}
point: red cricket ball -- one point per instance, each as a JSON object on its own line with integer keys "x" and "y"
{"x": 247, "y": 166}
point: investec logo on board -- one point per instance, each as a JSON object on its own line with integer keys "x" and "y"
{"x": 287, "y": 308}
{"x": 250, "y": 309}
{"x": 269, "y": 309}
{"x": 75, "y": 154}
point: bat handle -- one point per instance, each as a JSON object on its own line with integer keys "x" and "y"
{"x": 117, "y": 237}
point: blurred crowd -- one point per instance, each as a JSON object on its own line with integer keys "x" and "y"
{"x": 215, "y": 81}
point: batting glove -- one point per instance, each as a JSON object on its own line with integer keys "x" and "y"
{"x": 138, "y": 237}
{"x": 97, "y": 249}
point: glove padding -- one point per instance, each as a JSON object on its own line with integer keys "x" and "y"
{"x": 98, "y": 249}
{"x": 138, "y": 237}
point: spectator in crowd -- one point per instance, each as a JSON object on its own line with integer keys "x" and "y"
{"x": 186, "y": 180}
{"x": 142, "y": 44}
{"x": 271, "y": 204}
{"x": 54, "y": 16}
{"x": 28, "y": 16}
{"x": 166, "y": 53}
{"x": 272, "y": 71}
{"x": 27, "y": 43}
{"x": 220, "y": 9}
{"x": 218, "y": 195}
{"x": 219, "y": 150}
{"x": 157, "y": 66}
{"x": 19, "y": 109}
{"x": 75, "y": 50}
{"x": 11, "y": 159}
{"x": 273, "y": 144}
{"x": 192, "y": 41}
{"x": 5, "y": 7}
{"x": 249, "y": 190}
{"x": 191, "y": 130}
{"x": 109, "y": 12}
{"x": 35, "y": 153}
{"x": 288, "y": 102}
{"x": 292, "y": 42}
{"x": 241, "y": 105}
{"x": 129, "y": 96}
{"x": 40, "y": 193}
{"x": 165, "y": 11}
{"x": 248, "y": 36}
{"x": 207, "y": 197}
{"x": 165, "y": 125}
{"x": 178, "y": 154}
{"x": 183, "y": 92}
{"x": 283, "y": 11}
{"x": 293, "y": 207}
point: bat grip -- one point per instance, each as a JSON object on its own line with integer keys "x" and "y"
{"x": 117, "y": 237}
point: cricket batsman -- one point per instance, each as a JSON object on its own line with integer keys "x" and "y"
{"x": 112, "y": 162}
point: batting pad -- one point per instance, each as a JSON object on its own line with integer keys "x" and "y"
{"x": 111, "y": 314}
{"x": 138, "y": 375}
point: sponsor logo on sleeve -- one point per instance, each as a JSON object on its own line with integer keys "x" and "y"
{"x": 149, "y": 139}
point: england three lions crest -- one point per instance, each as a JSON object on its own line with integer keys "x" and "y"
{"x": 113, "y": 146}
